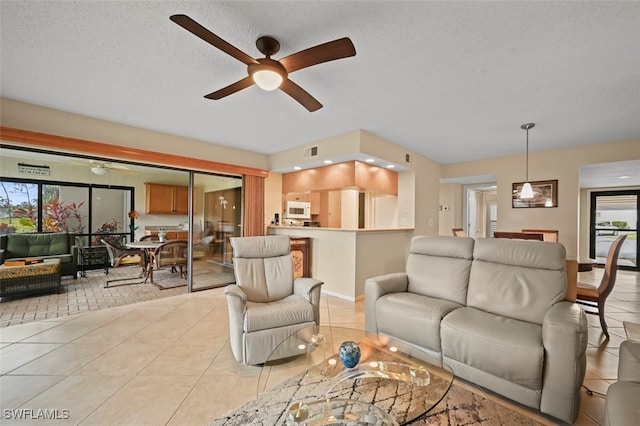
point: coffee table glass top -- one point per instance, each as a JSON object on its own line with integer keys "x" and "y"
{"x": 399, "y": 382}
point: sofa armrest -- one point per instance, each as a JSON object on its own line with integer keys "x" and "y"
{"x": 309, "y": 289}
{"x": 2, "y": 255}
{"x": 564, "y": 337}
{"x": 629, "y": 364}
{"x": 375, "y": 288}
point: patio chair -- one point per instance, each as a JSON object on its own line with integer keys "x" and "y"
{"x": 123, "y": 256}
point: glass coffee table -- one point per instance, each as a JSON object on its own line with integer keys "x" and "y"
{"x": 393, "y": 383}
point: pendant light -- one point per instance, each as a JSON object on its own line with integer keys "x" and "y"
{"x": 527, "y": 191}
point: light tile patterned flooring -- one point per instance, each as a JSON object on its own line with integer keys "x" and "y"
{"x": 167, "y": 361}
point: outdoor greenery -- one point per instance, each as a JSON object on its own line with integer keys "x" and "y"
{"x": 57, "y": 215}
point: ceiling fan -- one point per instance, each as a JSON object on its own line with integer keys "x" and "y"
{"x": 101, "y": 168}
{"x": 267, "y": 73}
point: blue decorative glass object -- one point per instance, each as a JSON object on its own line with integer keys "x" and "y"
{"x": 349, "y": 354}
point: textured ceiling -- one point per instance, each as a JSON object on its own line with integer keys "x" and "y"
{"x": 452, "y": 81}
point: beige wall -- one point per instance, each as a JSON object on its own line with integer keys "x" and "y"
{"x": 272, "y": 198}
{"x": 450, "y": 209}
{"x": 563, "y": 165}
{"x": 24, "y": 116}
{"x": 418, "y": 188}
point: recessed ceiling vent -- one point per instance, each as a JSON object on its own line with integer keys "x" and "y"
{"x": 407, "y": 158}
{"x": 311, "y": 151}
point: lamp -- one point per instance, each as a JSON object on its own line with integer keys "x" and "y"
{"x": 527, "y": 191}
{"x": 267, "y": 73}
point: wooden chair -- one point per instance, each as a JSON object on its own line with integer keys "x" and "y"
{"x": 458, "y": 232}
{"x": 518, "y": 235}
{"x": 550, "y": 235}
{"x": 593, "y": 298}
{"x": 172, "y": 254}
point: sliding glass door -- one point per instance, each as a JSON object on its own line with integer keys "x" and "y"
{"x": 615, "y": 213}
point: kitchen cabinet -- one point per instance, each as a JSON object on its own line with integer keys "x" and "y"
{"x": 173, "y": 235}
{"x": 166, "y": 199}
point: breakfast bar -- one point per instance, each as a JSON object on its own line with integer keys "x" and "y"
{"x": 344, "y": 258}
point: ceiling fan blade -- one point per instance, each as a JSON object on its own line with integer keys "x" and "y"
{"x": 193, "y": 27}
{"x": 300, "y": 95}
{"x": 330, "y": 51}
{"x": 231, "y": 89}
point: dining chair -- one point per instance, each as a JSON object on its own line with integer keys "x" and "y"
{"x": 593, "y": 298}
{"x": 123, "y": 256}
{"x": 172, "y": 254}
{"x": 550, "y": 235}
{"x": 458, "y": 232}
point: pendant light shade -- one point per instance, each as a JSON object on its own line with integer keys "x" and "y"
{"x": 527, "y": 191}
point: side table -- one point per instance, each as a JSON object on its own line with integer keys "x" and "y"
{"x": 91, "y": 258}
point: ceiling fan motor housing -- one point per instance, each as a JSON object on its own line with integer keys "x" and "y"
{"x": 268, "y": 45}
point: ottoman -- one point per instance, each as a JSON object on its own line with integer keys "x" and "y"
{"x": 30, "y": 279}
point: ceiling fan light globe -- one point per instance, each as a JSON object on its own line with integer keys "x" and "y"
{"x": 267, "y": 79}
{"x": 527, "y": 192}
{"x": 98, "y": 170}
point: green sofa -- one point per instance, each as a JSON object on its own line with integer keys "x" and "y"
{"x": 55, "y": 245}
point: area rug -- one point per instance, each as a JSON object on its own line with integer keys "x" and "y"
{"x": 463, "y": 404}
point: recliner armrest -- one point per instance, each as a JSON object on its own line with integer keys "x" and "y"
{"x": 304, "y": 286}
{"x": 375, "y": 288}
{"x": 234, "y": 290}
{"x": 309, "y": 289}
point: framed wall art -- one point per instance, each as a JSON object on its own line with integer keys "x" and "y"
{"x": 545, "y": 194}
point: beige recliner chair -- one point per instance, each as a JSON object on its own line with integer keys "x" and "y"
{"x": 266, "y": 304}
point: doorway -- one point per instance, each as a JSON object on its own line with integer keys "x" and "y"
{"x": 480, "y": 210}
{"x": 613, "y": 213}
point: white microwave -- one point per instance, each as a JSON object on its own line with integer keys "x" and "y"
{"x": 298, "y": 210}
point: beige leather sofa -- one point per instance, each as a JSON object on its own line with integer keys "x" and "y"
{"x": 622, "y": 405}
{"x": 493, "y": 310}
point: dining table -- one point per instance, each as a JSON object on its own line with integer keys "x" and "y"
{"x": 147, "y": 247}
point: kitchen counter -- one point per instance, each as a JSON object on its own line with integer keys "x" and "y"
{"x": 345, "y": 258}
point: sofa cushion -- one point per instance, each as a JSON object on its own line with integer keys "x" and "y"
{"x": 36, "y": 245}
{"x": 413, "y": 318}
{"x": 439, "y": 267}
{"x": 517, "y": 279}
{"x": 504, "y": 347}
{"x": 293, "y": 309}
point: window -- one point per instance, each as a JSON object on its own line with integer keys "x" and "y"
{"x": 89, "y": 211}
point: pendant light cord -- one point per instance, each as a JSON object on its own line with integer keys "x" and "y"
{"x": 527, "y": 157}
{"x": 526, "y": 127}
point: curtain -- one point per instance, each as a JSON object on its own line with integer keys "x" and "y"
{"x": 253, "y": 206}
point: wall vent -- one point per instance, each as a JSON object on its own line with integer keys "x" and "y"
{"x": 407, "y": 158}
{"x": 311, "y": 151}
